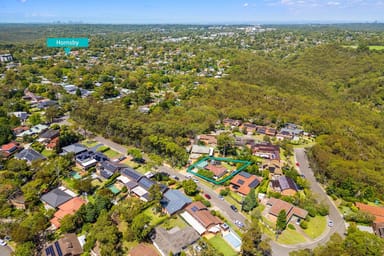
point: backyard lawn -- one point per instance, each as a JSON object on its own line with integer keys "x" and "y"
{"x": 291, "y": 237}
{"x": 221, "y": 245}
{"x": 89, "y": 143}
{"x": 316, "y": 226}
{"x": 174, "y": 222}
{"x": 155, "y": 218}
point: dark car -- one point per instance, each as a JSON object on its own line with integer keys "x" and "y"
{"x": 233, "y": 208}
{"x": 207, "y": 196}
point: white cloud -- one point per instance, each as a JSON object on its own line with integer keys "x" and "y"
{"x": 23, "y": 1}
{"x": 245, "y": 5}
{"x": 287, "y": 2}
{"x": 333, "y": 3}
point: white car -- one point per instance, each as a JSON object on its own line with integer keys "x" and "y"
{"x": 330, "y": 223}
{"x": 2, "y": 242}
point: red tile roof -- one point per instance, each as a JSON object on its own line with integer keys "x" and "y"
{"x": 68, "y": 208}
{"x": 376, "y": 211}
{"x": 244, "y": 182}
{"x": 202, "y": 214}
{"x": 9, "y": 146}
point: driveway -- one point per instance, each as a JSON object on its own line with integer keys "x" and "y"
{"x": 5, "y": 251}
{"x": 339, "y": 224}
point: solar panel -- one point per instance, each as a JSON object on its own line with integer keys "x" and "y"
{"x": 194, "y": 209}
{"x": 49, "y": 251}
{"x": 245, "y": 174}
{"x": 58, "y": 249}
{"x": 254, "y": 184}
{"x": 241, "y": 182}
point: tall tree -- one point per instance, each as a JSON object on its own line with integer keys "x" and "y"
{"x": 281, "y": 222}
{"x": 250, "y": 201}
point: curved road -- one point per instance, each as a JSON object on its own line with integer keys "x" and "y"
{"x": 334, "y": 215}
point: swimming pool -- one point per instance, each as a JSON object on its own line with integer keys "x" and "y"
{"x": 75, "y": 175}
{"x": 233, "y": 240}
{"x": 114, "y": 189}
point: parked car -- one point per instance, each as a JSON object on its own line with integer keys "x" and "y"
{"x": 221, "y": 197}
{"x": 330, "y": 223}
{"x": 224, "y": 226}
{"x": 239, "y": 223}
{"x": 2, "y": 242}
{"x": 207, "y": 196}
{"x": 234, "y": 208}
{"x": 195, "y": 180}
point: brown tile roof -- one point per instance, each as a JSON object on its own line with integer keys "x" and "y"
{"x": 376, "y": 211}
{"x": 218, "y": 170}
{"x": 69, "y": 245}
{"x": 202, "y": 214}
{"x": 143, "y": 249}
{"x": 278, "y": 205}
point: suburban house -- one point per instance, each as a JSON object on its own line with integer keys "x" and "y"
{"x": 53, "y": 144}
{"x": 35, "y": 130}
{"x": 21, "y": 115}
{"x": 208, "y": 139}
{"x": 245, "y": 140}
{"x": 173, "y": 241}
{"x": 143, "y": 249}
{"x": 273, "y": 167}
{"x": 19, "y": 129}
{"x": 29, "y": 155}
{"x": 56, "y": 197}
{"x": 67, "y": 208}
{"x": 284, "y": 185}
{"x": 198, "y": 151}
{"x": 9, "y": 149}
{"x": 217, "y": 169}
{"x": 249, "y": 128}
{"x": 265, "y": 130}
{"x": 107, "y": 168}
{"x": 68, "y": 245}
{"x": 267, "y": 151}
{"x": 292, "y": 129}
{"x": 228, "y": 122}
{"x": 243, "y": 182}
{"x": 378, "y": 213}
{"x": 138, "y": 184}
{"x": 293, "y": 213}
{"x": 75, "y": 148}
{"x": 201, "y": 219}
{"x": 85, "y": 160}
{"x": 174, "y": 201}
{"x": 284, "y": 135}
{"x": 48, "y": 135}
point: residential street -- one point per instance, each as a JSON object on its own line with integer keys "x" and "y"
{"x": 339, "y": 224}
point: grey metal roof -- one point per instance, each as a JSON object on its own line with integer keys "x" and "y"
{"x": 49, "y": 134}
{"x": 75, "y": 148}
{"x": 146, "y": 183}
{"x": 287, "y": 183}
{"x": 131, "y": 174}
{"x": 174, "y": 200}
{"x": 56, "y": 197}
{"x": 29, "y": 155}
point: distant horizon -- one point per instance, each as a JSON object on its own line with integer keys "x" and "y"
{"x": 192, "y": 12}
{"x": 202, "y": 24}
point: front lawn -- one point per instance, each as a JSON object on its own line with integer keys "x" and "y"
{"x": 47, "y": 153}
{"x": 174, "y": 222}
{"x": 221, "y": 245}
{"x": 316, "y": 226}
{"x": 111, "y": 153}
{"x": 291, "y": 237}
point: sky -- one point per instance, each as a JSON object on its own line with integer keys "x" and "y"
{"x": 190, "y": 11}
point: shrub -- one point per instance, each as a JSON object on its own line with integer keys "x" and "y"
{"x": 224, "y": 192}
{"x": 291, "y": 226}
{"x": 304, "y": 224}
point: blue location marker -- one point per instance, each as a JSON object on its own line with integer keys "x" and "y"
{"x": 67, "y": 50}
